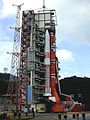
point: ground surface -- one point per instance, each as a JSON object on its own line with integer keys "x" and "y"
{"x": 54, "y": 116}
{"x": 50, "y": 116}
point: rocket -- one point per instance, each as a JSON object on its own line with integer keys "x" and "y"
{"x": 47, "y": 64}
{"x": 47, "y": 49}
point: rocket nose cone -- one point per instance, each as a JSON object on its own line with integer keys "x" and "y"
{"x": 47, "y": 42}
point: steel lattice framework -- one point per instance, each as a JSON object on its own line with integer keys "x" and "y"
{"x": 15, "y": 59}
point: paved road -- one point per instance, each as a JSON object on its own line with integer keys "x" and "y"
{"x": 54, "y": 116}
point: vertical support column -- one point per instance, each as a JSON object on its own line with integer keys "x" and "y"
{"x": 27, "y": 18}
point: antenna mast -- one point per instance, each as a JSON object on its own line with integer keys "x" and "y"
{"x": 43, "y": 4}
{"x": 12, "y": 90}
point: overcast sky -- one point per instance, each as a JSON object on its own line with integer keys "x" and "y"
{"x": 72, "y": 33}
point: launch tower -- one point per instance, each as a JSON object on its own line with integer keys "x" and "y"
{"x": 37, "y": 74}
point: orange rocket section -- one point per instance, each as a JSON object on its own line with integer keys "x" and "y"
{"x": 57, "y": 106}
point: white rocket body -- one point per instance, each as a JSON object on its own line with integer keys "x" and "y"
{"x": 47, "y": 64}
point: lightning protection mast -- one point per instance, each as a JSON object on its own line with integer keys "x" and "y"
{"x": 12, "y": 87}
